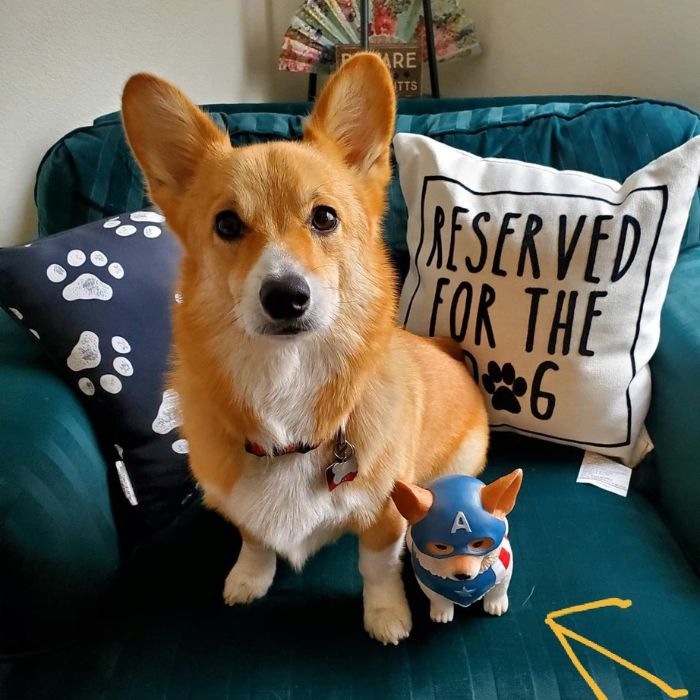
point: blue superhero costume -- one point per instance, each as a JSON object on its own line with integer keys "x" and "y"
{"x": 457, "y": 518}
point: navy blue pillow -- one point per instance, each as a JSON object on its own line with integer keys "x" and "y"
{"x": 98, "y": 300}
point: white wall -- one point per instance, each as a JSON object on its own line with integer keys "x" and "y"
{"x": 63, "y": 63}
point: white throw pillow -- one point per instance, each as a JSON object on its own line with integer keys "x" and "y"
{"x": 552, "y": 281}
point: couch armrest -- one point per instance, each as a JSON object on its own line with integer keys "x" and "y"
{"x": 58, "y": 544}
{"x": 675, "y": 406}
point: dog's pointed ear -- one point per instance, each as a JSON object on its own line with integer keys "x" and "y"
{"x": 356, "y": 112}
{"x": 167, "y": 133}
{"x": 413, "y": 502}
{"x": 498, "y": 497}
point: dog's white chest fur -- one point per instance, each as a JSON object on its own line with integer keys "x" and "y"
{"x": 284, "y": 501}
{"x": 286, "y": 504}
{"x": 281, "y": 385}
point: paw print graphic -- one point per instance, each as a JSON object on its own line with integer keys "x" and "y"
{"x": 19, "y": 315}
{"x": 87, "y": 285}
{"x": 168, "y": 418}
{"x": 504, "y": 386}
{"x": 139, "y": 217}
{"x": 86, "y": 355}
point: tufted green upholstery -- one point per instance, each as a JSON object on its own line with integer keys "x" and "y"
{"x": 673, "y": 420}
{"x": 90, "y": 174}
{"x": 163, "y": 632}
{"x": 572, "y": 544}
{"x": 58, "y": 545}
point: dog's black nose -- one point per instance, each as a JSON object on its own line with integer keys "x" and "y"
{"x": 462, "y": 577}
{"x": 285, "y": 297}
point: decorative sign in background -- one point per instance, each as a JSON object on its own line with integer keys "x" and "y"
{"x": 405, "y": 62}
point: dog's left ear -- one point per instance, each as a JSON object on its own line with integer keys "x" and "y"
{"x": 355, "y": 113}
{"x": 498, "y": 497}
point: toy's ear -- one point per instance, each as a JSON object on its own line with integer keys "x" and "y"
{"x": 413, "y": 502}
{"x": 498, "y": 497}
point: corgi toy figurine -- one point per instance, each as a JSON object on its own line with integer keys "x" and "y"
{"x": 458, "y": 540}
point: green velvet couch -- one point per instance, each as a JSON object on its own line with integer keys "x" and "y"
{"x": 81, "y": 619}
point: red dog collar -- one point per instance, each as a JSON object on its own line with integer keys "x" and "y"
{"x": 340, "y": 471}
{"x": 301, "y": 447}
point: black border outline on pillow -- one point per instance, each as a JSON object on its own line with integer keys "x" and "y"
{"x": 664, "y": 205}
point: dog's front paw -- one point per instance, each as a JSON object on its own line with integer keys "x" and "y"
{"x": 496, "y": 605}
{"x": 388, "y": 624}
{"x": 244, "y": 585}
{"x": 442, "y": 611}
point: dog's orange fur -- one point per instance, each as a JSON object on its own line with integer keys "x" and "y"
{"x": 408, "y": 402}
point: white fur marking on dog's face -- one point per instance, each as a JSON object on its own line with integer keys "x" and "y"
{"x": 275, "y": 262}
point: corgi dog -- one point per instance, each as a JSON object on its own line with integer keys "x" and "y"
{"x": 302, "y": 401}
{"x": 458, "y": 540}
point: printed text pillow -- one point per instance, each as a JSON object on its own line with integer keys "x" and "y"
{"x": 552, "y": 281}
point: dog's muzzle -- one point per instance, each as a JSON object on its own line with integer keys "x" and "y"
{"x": 285, "y": 298}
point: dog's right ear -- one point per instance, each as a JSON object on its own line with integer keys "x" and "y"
{"x": 355, "y": 114}
{"x": 168, "y": 134}
{"x": 413, "y": 502}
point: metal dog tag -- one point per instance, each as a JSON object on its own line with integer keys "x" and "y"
{"x": 344, "y": 468}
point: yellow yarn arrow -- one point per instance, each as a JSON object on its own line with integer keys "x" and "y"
{"x": 561, "y": 633}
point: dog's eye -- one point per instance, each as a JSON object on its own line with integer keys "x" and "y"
{"x": 324, "y": 219}
{"x": 438, "y": 548}
{"x": 481, "y": 545}
{"x": 227, "y": 225}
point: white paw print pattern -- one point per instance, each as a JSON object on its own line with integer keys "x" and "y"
{"x": 19, "y": 315}
{"x": 86, "y": 355}
{"x": 87, "y": 285}
{"x": 86, "y": 352}
{"x": 181, "y": 446}
{"x": 151, "y": 218}
{"x": 168, "y": 418}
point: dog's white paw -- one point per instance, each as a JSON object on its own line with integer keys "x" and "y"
{"x": 442, "y": 611}
{"x": 496, "y": 605}
{"x": 388, "y": 625}
{"x": 244, "y": 586}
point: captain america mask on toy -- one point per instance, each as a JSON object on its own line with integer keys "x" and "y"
{"x": 457, "y": 538}
{"x": 457, "y": 523}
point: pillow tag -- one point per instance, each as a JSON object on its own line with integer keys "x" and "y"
{"x": 125, "y": 482}
{"x": 605, "y": 473}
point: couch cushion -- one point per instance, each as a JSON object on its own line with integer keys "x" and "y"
{"x": 546, "y": 366}
{"x": 98, "y": 299}
{"x": 173, "y": 637}
{"x": 50, "y": 470}
{"x": 673, "y": 418}
{"x": 90, "y": 174}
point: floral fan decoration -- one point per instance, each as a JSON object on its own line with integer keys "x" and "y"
{"x": 320, "y": 25}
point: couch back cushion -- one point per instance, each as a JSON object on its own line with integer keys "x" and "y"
{"x": 89, "y": 174}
